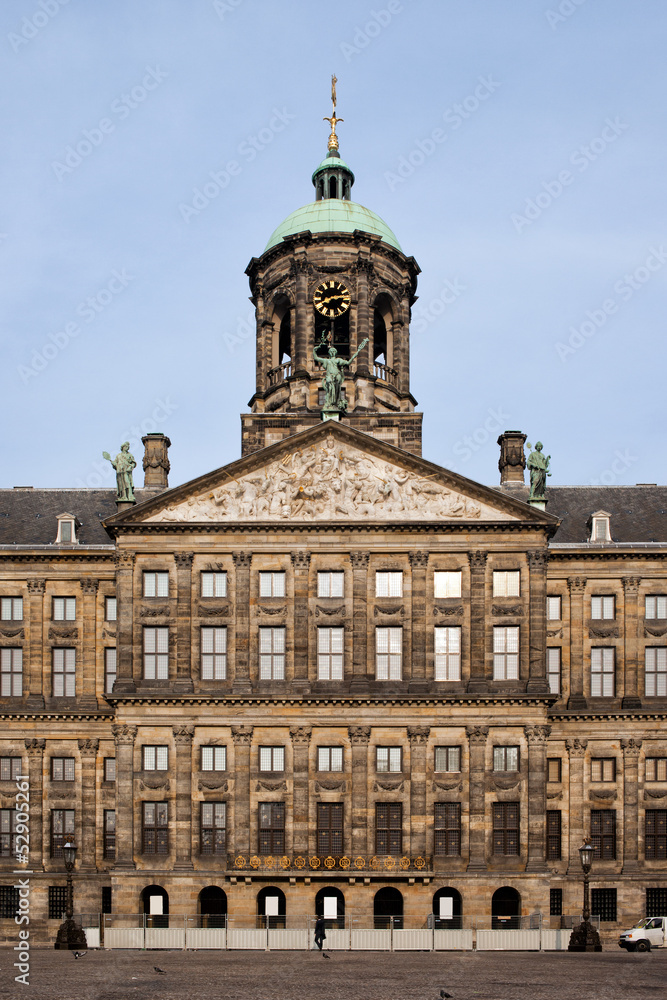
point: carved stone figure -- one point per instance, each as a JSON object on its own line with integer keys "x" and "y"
{"x": 333, "y": 376}
{"x": 123, "y": 463}
{"x": 538, "y": 465}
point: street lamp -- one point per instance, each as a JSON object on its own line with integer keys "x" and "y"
{"x": 70, "y": 935}
{"x": 585, "y": 937}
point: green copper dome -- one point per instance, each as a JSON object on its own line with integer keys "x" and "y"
{"x": 333, "y": 215}
{"x": 332, "y": 162}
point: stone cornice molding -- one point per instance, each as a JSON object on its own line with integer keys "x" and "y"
{"x": 359, "y": 734}
{"x": 88, "y": 747}
{"x": 124, "y": 735}
{"x": 242, "y": 735}
{"x": 576, "y": 747}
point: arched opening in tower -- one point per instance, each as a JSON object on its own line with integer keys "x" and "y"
{"x": 333, "y": 187}
{"x": 335, "y": 332}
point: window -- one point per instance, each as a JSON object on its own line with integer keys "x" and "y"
{"x": 213, "y": 584}
{"x": 330, "y": 584}
{"x": 389, "y": 828}
{"x": 446, "y": 583}
{"x": 388, "y": 583}
{"x": 603, "y": 607}
{"x": 109, "y": 669}
{"x": 505, "y": 827}
{"x": 505, "y": 758}
{"x": 505, "y": 653}
{"x": 213, "y": 837}
{"x": 553, "y": 834}
{"x": 106, "y": 899}
{"x": 156, "y": 654}
{"x": 214, "y": 758}
{"x": 109, "y": 834}
{"x": 329, "y": 758}
{"x": 330, "y": 829}
{"x": 9, "y": 902}
{"x": 156, "y": 584}
{"x": 11, "y": 672}
{"x": 555, "y": 902}
{"x": 656, "y": 607}
{"x": 109, "y": 768}
{"x": 64, "y": 609}
{"x": 389, "y": 759}
{"x": 7, "y": 833}
{"x": 272, "y": 654}
{"x": 57, "y": 902}
{"x": 447, "y": 823}
{"x": 271, "y": 828}
{"x": 603, "y": 833}
{"x": 62, "y": 769}
{"x": 155, "y": 833}
{"x": 603, "y": 904}
{"x": 11, "y": 609}
{"x": 603, "y": 769}
{"x": 66, "y": 529}
{"x": 64, "y": 673}
{"x": 554, "y": 769}
{"x": 272, "y": 758}
{"x": 155, "y": 758}
{"x": 214, "y": 654}
{"x": 655, "y": 671}
{"x": 110, "y": 609}
{"x": 554, "y": 613}
{"x": 388, "y": 653}
{"x": 553, "y": 668}
{"x": 655, "y": 838}
{"x": 272, "y": 584}
{"x": 62, "y": 828}
{"x": 10, "y": 768}
{"x": 447, "y": 654}
{"x": 330, "y": 654}
{"x": 656, "y": 902}
{"x": 506, "y": 583}
{"x": 602, "y": 672}
{"x": 600, "y": 529}
{"x": 656, "y": 768}
{"x": 447, "y": 759}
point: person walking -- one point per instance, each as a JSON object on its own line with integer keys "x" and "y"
{"x": 320, "y": 933}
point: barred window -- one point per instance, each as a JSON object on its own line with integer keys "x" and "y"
{"x": 656, "y": 901}
{"x": 156, "y": 584}
{"x": 11, "y": 672}
{"x": 603, "y": 607}
{"x": 330, "y": 654}
{"x": 655, "y": 671}
{"x": 272, "y": 584}
{"x": 155, "y": 758}
{"x": 271, "y": 828}
{"x": 109, "y": 839}
{"x": 64, "y": 609}
{"x": 110, "y": 670}
{"x": 554, "y": 768}
{"x": 214, "y": 584}
{"x": 553, "y": 668}
{"x": 447, "y": 824}
{"x": 389, "y": 758}
{"x": 110, "y": 609}
{"x": 57, "y": 902}
{"x": 62, "y": 829}
{"x": 272, "y": 654}
{"x": 603, "y": 769}
{"x": 213, "y": 825}
{"x": 505, "y": 758}
{"x": 555, "y": 902}
{"x": 447, "y": 583}
{"x": 109, "y": 768}
{"x": 554, "y": 612}
{"x": 655, "y": 837}
{"x": 330, "y": 829}
{"x": 62, "y": 769}
{"x": 447, "y": 759}
{"x": 329, "y": 758}
{"x": 656, "y": 768}
{"x": 603, "y": 904}
{"x": 447, "y": 654}
{"x": 214, "y": 654}
{"x": 7, "y": 833}
{"x": 155, "y": 832}
{"x": 505, "y": 827}
{"x": 389, "y": 828}
{"x": 388, "y": 653}
{"x": 389, "y": 583}
{"x": 603, "y": 668}
{"x": 603, "y": 833}
{"x": 505, "y": 652}
{"x": 330, "y": 583}
{"x": 553, "y": 834}
{"x": 213, "y": 758}
{"x": 656, "y": 606}
{"x": 9, "y": 902}
{"x": 11, "y": 609}
{"x": 272, "y": 758}
{"x": 156, "y": 654}
{"x": 64, "y": 673}
{"x": 506, "y": 583}
{"x": 10, "y": 768}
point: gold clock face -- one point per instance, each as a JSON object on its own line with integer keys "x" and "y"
{"x": 331, "y": 299}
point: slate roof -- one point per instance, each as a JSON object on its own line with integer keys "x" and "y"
{"x": 29, "y": 516}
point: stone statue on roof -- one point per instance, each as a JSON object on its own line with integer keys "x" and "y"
{"x": 123, "y": 463}
{"x": 538, "y": 466}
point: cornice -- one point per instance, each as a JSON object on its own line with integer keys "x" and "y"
{"x": 28, "y": 554}
{"x": 620, "y": 716}
{"x": 346, "y": 527}
{"x": 329, "y": 699}
{"x": 57, "y": 716}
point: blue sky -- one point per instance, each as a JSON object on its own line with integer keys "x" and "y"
{"x": 515, "y": 147}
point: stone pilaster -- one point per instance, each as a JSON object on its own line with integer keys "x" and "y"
{"x": 183, "y": 683}
{"x": 183, "y": 740}
{"x": 576, "y": 749}
{"x": 631, "y": 696}
{"x": 35, "y": 751}
{"x": 36, "y": 644}
{"x": 124, "y": 683}
{"x": 478, "y": 683}
{"x": 359, "y": 681}
{"x": 240, "y": 835}
{"x": 537, "y": 660}
{"x": 363, "y": 267}
{"x": 418, "y": 736}
{"x": 242, "y": 683}
{"x": 419, "y": 562}
{"x": 577, "y": 700}
{"x": 301, "y": 565}
{"x": 631, "y": 750}
{"x": 401, "y": 355}
{"x": 359, "y": 739}
{"x": 536, "y": 737}
{"x": 88, "y": 698}
{"x": 477, "y": 740}
{"x": 300, "y": 736}
{"x": 301, "y": 269}
{"x": 124, "y": 737}
{"x": 87, "y": 855}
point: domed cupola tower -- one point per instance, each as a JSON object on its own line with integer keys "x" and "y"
{"x": 332, "y": 294}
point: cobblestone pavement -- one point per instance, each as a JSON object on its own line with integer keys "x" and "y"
{"x": 125, "y": 975}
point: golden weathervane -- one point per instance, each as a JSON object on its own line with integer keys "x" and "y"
{"x": 333, "y": 121}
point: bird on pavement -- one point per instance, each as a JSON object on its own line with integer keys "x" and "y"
{"x": 444, "y": 995}
{"x": 79, "y": 954}
{"x": 158, "y": 969}
{"x": 324, "y": 955}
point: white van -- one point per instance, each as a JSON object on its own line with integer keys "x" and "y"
{"x": 648, "y": 933}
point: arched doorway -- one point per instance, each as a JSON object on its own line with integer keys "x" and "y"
{"x": 505, "y": 908}
{"x": 447, "y": 909}
{"x": 330, "y": 904}
{"x": 388, "y": 903}
{"x": 213, "y": 906}
{"x": 271, "y": 908}
{"x": 155, "y": 903}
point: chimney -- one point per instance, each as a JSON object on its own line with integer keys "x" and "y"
{"x": 156, "y": 461}
{"x": 512, "y": 460}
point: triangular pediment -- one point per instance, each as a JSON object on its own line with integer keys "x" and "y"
{"x": 331, "y": 473}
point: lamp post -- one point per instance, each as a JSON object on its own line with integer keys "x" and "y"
{"x": 70, "y": 934}
{"x": 585, "y": 937}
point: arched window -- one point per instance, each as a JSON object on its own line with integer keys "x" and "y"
{"x": 330, "y": 904}
{"x": 333, "y": 187}
{"x": 285, "y": 339}
{"x": 505, "y": 908}
{"x": 388, "y": 903}
{"x": 379, "y": 338}
{"x": 213, "y": 906}
{"x": 271, "y": 907}
{"x": 336, "y": 332}
{"x": 383, "y": 315}
{"x": 447, "y": 909}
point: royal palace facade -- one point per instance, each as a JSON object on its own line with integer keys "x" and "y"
{"x": 332, "y": 668}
